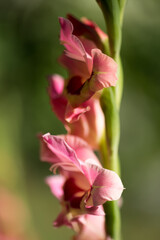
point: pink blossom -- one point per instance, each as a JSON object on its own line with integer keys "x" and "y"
{"x": 86, "y": 121}
{"x": 76, "y": 100}
{"x": 83, "y": 185}
{"x": 89, "y": 69}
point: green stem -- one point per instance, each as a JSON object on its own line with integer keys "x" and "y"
{"x": 109, "y": 151}
{"x": 111, "y": 139}
{"x": 110, "y": 102}
{"x": 113, "y": 221}
{"x": 122, "y": 4}
{"x": 111, "y": 12}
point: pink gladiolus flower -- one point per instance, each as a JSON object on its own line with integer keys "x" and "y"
{"x": 83, "y": 185}
{"x": 87, "y": 122}
{"x": 89, "y": 69}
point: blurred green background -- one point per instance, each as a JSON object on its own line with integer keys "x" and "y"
{"x": 29, "y": 48}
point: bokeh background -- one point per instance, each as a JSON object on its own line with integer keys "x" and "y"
{"x": 29, "y": 48}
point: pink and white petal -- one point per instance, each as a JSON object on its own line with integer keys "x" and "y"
{"x": 107, "y": 186}
{"x": 82, "y": 149}
{"x": 87, "y": 154}
{"x": 73, "y": 45}
{"x": 56, "y": 151}
{"x": 91, "y": 170}
{"x": 56, "y": 185}
{"x": 74, "y": 142}
{"x": 104, "y": 71}
{"x": 46, "y": 154}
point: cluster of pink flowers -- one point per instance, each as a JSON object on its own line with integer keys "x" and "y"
{"x": 82, "y": 185}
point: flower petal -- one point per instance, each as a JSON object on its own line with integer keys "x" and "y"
{"x": 56, "y": 185}
{"x": 57, "y": 100}
{"x": 56, "y": 151}
{"x": 73, "y": 45}
{"x": 111, "y": 189}
{"x": 91, "y": 227}
{"x": 104, "y": 71}
{"x": 82, "y": 149}
{"x": 75, "y": 67}
{"x": 88, "y": 29}
{"x": 73, "y": 114}
{"x": 103, "y": 36}
{"x": 106, "y": 185}
{"x": 98, "y": 210}
{"x": 88, "y": 45}
{"x": 56, "y": 85}
{"x": 90, "y": 125}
